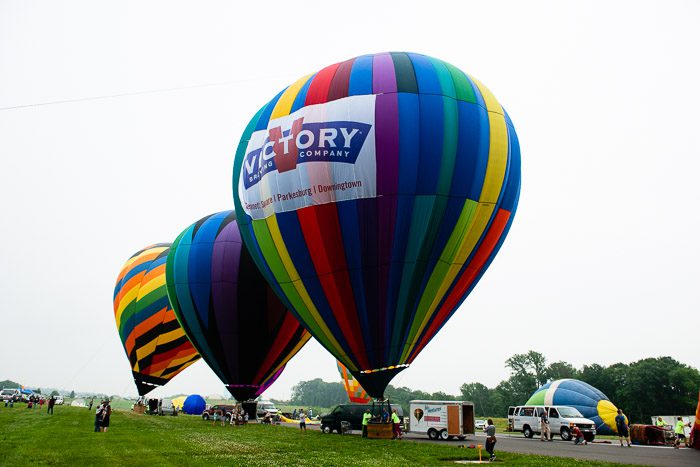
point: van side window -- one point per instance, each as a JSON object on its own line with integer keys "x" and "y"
{"x": 553, "y": 413}
{"x": 539, "y": 411}
{"x": 527, "y": 412}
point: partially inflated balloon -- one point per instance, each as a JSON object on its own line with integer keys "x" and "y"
{"x": 695, "y": 432}
{"x": 352, "y": 387}
{"x": 591, "y": 402}
{"x": 233, "y": 318}
{"x": 153, "y": 339}
{"x": 373, "y": 195}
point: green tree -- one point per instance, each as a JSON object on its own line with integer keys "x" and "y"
{"x": 54, "y": 393}
{"x": 561, "y": 370}
{"x": 318, "y": 393}
{"x": 72, "y": 394}
{"x": 530, "y": 366}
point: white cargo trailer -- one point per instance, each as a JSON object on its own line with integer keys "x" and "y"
{"x": 442, "y": 419}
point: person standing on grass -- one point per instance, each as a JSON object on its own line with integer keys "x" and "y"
{"x": 106, "y": 413}
{"x": 98, "y": 418}
{"x": 50, "y": 405}
{"x": 294, "y": 414}
{"x": 396, "y": 424}
{"x": 490, "y": 430}
{"x": 366, "y": 417}
{"x": 92, "y": 399}
{"x": 545, "y": 432}
{"x": 623, "y": 428}
{"x": 302, "y": 420}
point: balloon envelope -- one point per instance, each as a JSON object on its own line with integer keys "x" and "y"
{"x": 153, "y": 339}
{"x": 194, "y": 405}
{"x": 591, "y": 402}
{"x": 374, "y": 194}
{"x": 232, "y": 316}
{"x": 355, "y": 392}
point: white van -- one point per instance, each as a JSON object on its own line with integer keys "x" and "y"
{"x": 561, "y": 420}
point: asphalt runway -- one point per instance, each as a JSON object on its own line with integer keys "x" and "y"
{"x": 641, "y": 455}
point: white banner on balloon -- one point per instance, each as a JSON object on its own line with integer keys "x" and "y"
{"x": 319, "y": 154}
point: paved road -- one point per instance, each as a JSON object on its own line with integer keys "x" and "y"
{"x": 642, "y": 455}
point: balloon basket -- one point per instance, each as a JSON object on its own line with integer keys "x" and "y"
{"x": 380, "y": 430}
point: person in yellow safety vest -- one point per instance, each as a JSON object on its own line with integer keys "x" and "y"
{"x": 396, "y": 424}
{"x": 679, "y": 430}
{"x": 366, "y": 417}
{"x": 660, "y": 422}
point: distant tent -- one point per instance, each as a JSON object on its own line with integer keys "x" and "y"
{"x": 78, "y": 403}
{"x": 178, "y": 401}
{"x": 194, "y": 405}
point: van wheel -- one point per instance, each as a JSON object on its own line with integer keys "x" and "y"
{"x": 443, "y": 435}
{"x": 527, "y": 431}
{"x": 589, "y": 437}
{"x": 565, "y": 434}
{"x": 326, "y": 429}
{"x": 433, "y": 434}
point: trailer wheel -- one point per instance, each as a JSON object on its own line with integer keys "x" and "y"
{"x": 433, "y": 434}
{"x": 462, "y": 437}
{"x": 443, "y": 435}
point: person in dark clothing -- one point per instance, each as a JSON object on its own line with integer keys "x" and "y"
{"x": 490, "y": 430}
{"x": 98, "y": 418}
{"x": 51, "y": 403}
{"x": 623, "y": 429}
{"x": 106, "y": 413}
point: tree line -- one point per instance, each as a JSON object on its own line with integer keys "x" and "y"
{"x": 650, "y": 386}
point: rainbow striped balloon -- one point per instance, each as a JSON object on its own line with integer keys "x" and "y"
{"x": 152, "y": 337}
{"x": 374, "y": 194}
{"x": 355, "y": 392}
{"x": 236, "y": 322}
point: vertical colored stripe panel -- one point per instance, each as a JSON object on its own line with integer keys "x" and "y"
{"x": 383, "y": 74}
{"x": 405, "y": 76}
{"x": 360, "y": 82}
{"x": 340, "y": 83}
{"x": 322, "y": 234}
{"x": 318, "y": 90}
{"x": 286, "y": 100}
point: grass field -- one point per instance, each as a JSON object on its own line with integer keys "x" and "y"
{"x": 67, "y": 437}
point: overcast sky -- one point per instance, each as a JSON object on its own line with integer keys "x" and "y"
{"x": 119, "y": 121}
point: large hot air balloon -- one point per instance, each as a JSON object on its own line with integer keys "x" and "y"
{"x": 373, "y": 195}
{"x": 355, "y": 392}
{"x": 227, "y": 309}
{"x": 153, "y": 339}
{"x": 591, "y": 402}
{"x": 695, "y": 432}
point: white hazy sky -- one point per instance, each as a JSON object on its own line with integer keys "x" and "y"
{"x": 601, "y": 264}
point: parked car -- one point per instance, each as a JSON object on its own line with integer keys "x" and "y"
{"x": 59, "y": 400}
{"x": 166, "y": 407}
{"x": 479, "y": 424}
{"x": 266, "y": 406}
{"x": 351, "y": 413}
{"x": 209, "y": 413}
{"x": 10, "y": 394}
{"x": 561, "y": 420}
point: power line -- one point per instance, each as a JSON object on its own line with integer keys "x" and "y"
{"x": 134, "y": 93}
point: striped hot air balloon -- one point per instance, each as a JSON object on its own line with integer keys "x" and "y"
{"x": 695, "y": 433}
{"x": 233, "y": 318}
{"x": 373, "y": 195}
{"x": 352, "y": 387}
{"x": 591, "y": 402}
{"x": 153, "y": 339}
